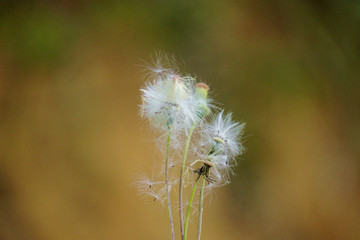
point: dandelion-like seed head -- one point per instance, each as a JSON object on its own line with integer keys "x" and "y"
{"x": 221, "y": 138}
{"x": 224, "y": 135}
{"x": 165, "y": 102}
{"x": 177, "y": 105}
{"x": 222, "y": 169}
{"x": 171, "y": 101}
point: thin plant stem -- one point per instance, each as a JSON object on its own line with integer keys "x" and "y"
{"x": 201, "y": 208}
{"x": 167, "y": 185}
{"x": 182, "y": 180}
{"x": 189, "y": 208}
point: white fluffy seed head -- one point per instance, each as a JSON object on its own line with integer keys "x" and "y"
{"x": 221, "y": 143}
{"x": 224, "y": 135}
{"x": 174, "y": 102}
{"x": 171, "y": 101}
{"x": 165, "y": 102}
{"x": 222, "y": 169}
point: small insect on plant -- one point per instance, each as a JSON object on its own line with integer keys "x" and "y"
{"x": 195, "y": 133}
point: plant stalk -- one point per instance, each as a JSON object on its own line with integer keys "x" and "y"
{"x": 182, "y": 180}
{"x": 189, "y": 209}
{"x": 167, "y": 185}
{"x": 201, "y": 208}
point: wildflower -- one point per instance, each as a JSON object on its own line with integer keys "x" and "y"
{"x": 176, "y": 104}
{"x": 221, "y": 138}
{"x": 165, "y": 102}
{"x": 224, "y": 135}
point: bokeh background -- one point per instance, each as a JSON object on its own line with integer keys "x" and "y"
{"x": 71, "y": 140}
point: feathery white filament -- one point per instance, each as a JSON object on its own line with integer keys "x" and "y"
{"x": 229, "y": 132}
{"x": 221, "y": 141}
{"x": 165, "y": 102}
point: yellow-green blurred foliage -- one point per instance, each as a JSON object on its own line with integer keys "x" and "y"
{"x": 71, "y": 140}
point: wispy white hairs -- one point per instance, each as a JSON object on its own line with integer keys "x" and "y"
{"x": 178, "y": 106}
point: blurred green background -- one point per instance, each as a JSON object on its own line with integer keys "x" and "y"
{"x": 71, "y": 138}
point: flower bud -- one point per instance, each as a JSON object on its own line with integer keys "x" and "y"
{"x": 201, "y": 92}
{"x": 201, "y": 89}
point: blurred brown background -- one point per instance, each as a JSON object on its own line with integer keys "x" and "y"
{"x": 71, "y": 139}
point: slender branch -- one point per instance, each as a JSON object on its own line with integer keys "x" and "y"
{"x": 167, "y": 185}
{"x": 201, "y": 208}
{"x": 189, "y": 208}
{"x": 182, "y": 180}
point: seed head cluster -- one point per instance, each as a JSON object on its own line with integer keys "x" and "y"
{"x": 174, "y": 104}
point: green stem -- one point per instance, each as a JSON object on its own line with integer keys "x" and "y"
{"x": 167, "y": 185}
{"x": 182, "y": 180}
{"x": 189, "y": 208}
{"x": 201, "y": 208}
